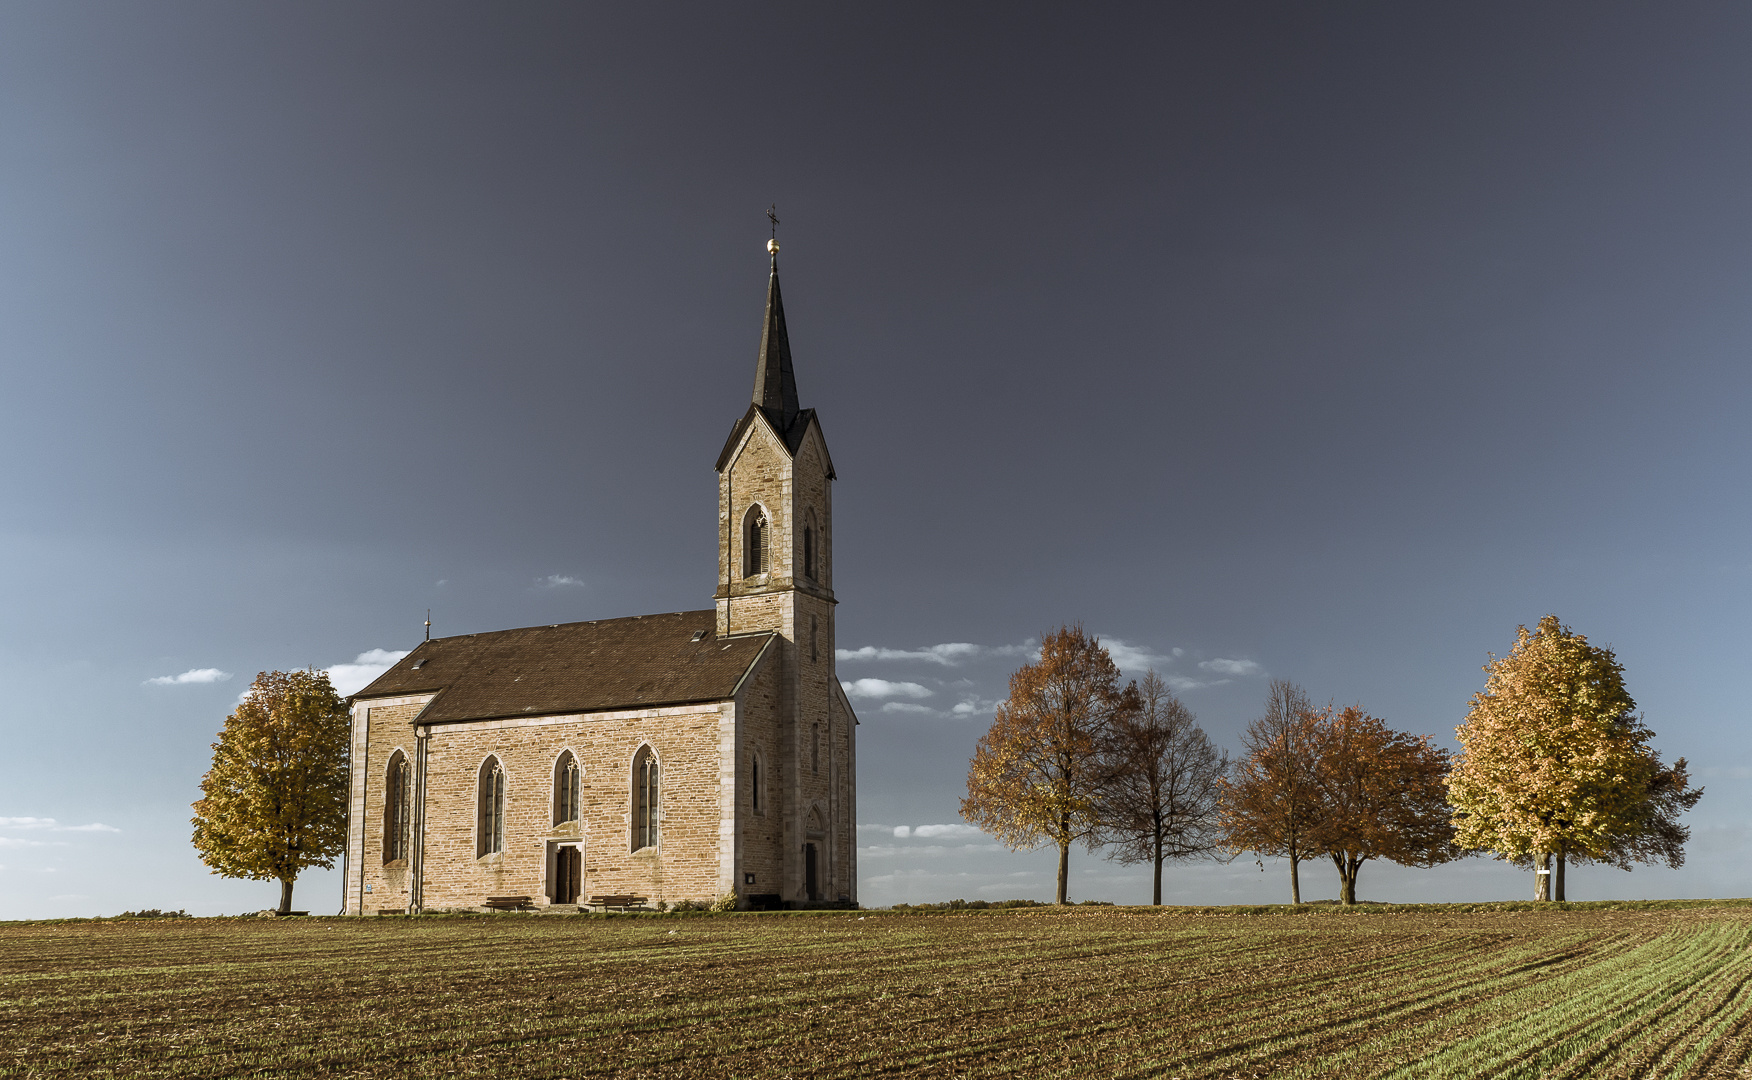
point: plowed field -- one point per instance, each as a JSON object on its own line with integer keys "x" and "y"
{"x": 1430, "y": 992}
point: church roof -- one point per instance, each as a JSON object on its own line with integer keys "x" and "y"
{"x": 636, "y": 663}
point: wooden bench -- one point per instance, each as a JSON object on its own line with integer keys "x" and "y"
{"x": 617, "y": 903}
{"x": 507, "y": 903}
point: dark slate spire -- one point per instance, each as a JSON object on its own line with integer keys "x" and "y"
{"x": 775, "y": 383}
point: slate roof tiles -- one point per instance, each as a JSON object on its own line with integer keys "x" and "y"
{"x": 634, "y": 663}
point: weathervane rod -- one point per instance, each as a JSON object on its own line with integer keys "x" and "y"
{"x": 773, "y": 216}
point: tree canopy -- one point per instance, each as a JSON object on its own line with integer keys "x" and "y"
{"x": 1269, "y": 803}
{"x": 1557, "y": 762}
{"x": 275, "y": 800}
{"x": 1036, "y": 775}
{"x": 1381, "y": 796}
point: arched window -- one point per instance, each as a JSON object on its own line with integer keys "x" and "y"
{"x": 568, "y": 789}
{"x": 809, "y": 551}
{"x": 757, "y": 543}
{"x": 646, "y": 799}
{"x": 397, "y": 797}
{"x": 490, "y": 809}
{"x": 754, "y": 782}
{"x": 815, "y": 748}
{"x": 814, "y": 651}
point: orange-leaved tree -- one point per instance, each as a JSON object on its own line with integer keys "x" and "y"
{"x": 1381, "y": 796}
{"x": 1159, "y": 793}
{"x": 1036, "y": 775}
{"x": 275, "y": 800}
{"x": 1269, "y": 803}
{"x": 1556, "y": 763}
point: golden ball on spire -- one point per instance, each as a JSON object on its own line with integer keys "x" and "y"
{"x": 772, "y": 247}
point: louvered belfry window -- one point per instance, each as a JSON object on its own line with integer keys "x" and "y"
{"x": 646, "y": 799}
{"x": 490, "y": 825}
{"x": 397, "y": 792}
{"x": 759, "y": 543}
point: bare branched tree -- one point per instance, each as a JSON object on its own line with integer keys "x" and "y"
{"x": 1159, "y": 791}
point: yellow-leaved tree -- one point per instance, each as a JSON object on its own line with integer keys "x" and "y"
{"x": 275, "y": 800}
{"x": 1556, "y": 764}
{"x": 1036, "y": 776}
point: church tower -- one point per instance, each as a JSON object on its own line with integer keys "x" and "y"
{"x": 775, "y": 574}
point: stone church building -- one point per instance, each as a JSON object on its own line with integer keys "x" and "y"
{"x": 645, "y": 760}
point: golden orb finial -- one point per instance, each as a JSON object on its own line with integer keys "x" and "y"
{"x": 772, "y": 247}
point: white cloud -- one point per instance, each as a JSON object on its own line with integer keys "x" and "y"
{"x": 949, "y": 654}
{"x": 1180, "y": 684}
{"x": 1131, "y": 658}
{"x": 194, "y": 675}
{"x": 16, "y": 842}
{"x": 889, "y": 851}
{"x": 366, "y": 667}
{"x": 907, "y": 707}
{"x": 560, "y": 581}
{"x": 51, "y": 825}
{"x": 936, "y": 832}
{"x": 953, "y": 829}
{"x": 883, "y": 688}
{"x": 973, "y": 706}
{"x": 1231, "y": 667}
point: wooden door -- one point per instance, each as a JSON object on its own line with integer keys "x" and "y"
{"x": 568, "y": 874}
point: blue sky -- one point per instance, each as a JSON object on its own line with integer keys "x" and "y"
{"x": 1323, "y": 343}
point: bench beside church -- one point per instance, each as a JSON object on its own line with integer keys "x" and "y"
{"x": 662, "y": 758}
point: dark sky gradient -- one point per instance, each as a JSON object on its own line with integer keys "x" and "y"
{"x": 1323, "y": 342}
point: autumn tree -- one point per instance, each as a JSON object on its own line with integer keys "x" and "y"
{"x": 1556, "y": 763}
{"x": 1381, "y": 796}
{"x": 275, "y": 800}
{"x": 1036, "y": 775}
{"x": 1159, "y": 789}
{"x": 1269, "y": 804}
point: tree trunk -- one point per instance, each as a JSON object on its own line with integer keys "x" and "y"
{"x": 1347, "y": 878}
{"x": 1541, "y": 882}
{"x": 1064, "y": 878}
{"x": 285, "y": 895}
{"x": 1156, "y": 885}
{"x": 1295, "y": 883}
{"x": 1557, "y": 879}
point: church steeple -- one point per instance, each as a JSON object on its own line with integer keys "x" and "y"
{"x": 775, "y": 383}
{"x": 775, "y": 503}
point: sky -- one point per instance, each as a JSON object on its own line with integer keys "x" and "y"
{"x": 1318, "y": 342}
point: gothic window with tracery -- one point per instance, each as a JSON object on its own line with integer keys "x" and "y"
{"x": 397, "y": 795}
{"x": 490, "y": 813}
{"x": 568, "y": 789}
{"x": 646, "y": 799}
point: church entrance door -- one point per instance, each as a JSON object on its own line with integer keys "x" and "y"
{"x": 568, "y": 874}
{"x": 811, "y": 884}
